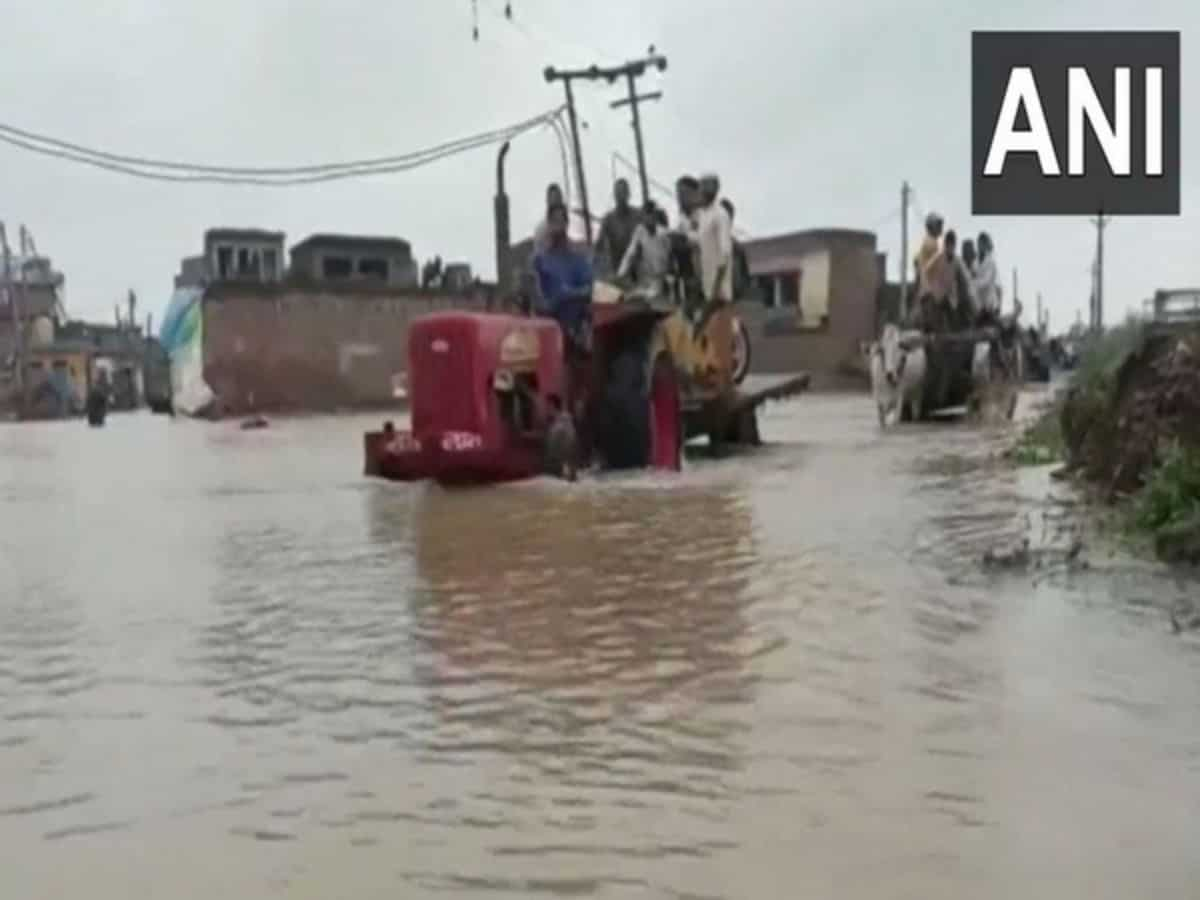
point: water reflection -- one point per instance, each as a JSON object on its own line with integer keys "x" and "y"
{"x": 785, "y": 674}
{"x": 588, "y": 648}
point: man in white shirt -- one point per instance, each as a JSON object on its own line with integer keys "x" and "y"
{"x": 987, "y": 288}
{"x": 649, "y": 252}
{"x": 714, "y": 239}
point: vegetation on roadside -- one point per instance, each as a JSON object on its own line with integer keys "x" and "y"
{"x": 1129, "y": 425}
{"x": 1042, "y": 442}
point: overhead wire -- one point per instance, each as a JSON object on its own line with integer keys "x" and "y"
{"x": 176, "y": 171}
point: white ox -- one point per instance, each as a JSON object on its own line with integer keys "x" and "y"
{"x": 897, "y": 364}
{"x": 997, "y": 373}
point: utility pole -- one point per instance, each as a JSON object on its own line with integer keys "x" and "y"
{"x": 1015, "y": 302}
{"x": 1039, "y": 311}
{"x": 10, "y": 297}
{"x": 1098, "y": 304}
{"x": 904, "y": 194}
{"x": 551, "y": 74}
{"x": 630, "y": 71}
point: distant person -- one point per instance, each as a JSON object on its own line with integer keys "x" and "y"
{"x": 987, "y": 288}
{"x": 648, "y": 257}
{"x": 687, "y": 196}
{"x": 936, "y": 275}
{"x": 930, "y": 247}
{"x": 684, "y": 254}
{"x": 969, "y": 256}
{"x": 616, "y": 229}
{"x": 960, "y": 304}
{"x": 564, "y": 281}
{"x": 554, "y": 197}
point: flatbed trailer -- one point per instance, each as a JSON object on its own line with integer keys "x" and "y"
{"x": 731, "y": 419}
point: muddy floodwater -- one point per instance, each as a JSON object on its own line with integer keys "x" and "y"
{"x": 232, "y": 667}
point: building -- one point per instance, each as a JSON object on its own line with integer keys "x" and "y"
{"x": 815, "y": 300}
{"x": 118, "y": 351}
{"x": 235, "y": 254}
{"x": 330, "y": 333}
{"x": 305, "y": 346}
{"x": 243, "y": 254}
{"x": 337, "y": 258}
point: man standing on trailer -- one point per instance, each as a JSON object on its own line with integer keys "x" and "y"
{"x": 714, "y": 239}
{"x": 616, "y": 229}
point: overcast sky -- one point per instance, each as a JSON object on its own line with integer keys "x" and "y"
{"x": 806, "y": 109}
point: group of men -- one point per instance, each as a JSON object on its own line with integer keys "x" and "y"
{"x": 954, "y": 291}
{"x": 637, "y": 248}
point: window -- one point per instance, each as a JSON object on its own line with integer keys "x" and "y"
{"x": 224, "y": 262}
{"x": 247, "y": 260}
{"x": 270, "y": 265}
{"x": 789, "y": 289}
{"x": 374, "y": 268}
{"x": 764, "y": 289}
{"x": 336, "y": 267}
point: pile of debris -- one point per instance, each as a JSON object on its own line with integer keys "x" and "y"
{"x": 1121, "y": 426}
{"x": 1117, "y": 431}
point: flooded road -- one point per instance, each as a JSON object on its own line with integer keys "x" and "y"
{"x": 228, "y": 663}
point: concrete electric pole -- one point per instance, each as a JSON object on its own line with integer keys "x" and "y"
{"x": 1097, "y": 322}
{"x": 630, "y": 71}
{"x": 904, "y": 194}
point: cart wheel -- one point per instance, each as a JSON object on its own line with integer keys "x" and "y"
{"x": 741, "y": 351}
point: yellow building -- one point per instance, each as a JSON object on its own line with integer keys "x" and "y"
{"x": 59, "y": 377}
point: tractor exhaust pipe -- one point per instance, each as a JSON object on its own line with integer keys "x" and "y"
{"x": 501, "y": 215}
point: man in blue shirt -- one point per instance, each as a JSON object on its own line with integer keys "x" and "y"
{"x": 564, "y": 278}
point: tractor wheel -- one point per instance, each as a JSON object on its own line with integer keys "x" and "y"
{"x": 625, "y": 437}
{"x": 642, "y": 421}
{"x": 741, "y": 351}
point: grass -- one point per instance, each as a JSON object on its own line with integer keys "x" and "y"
{"x": 1171, "y": 497}
{"x": 1042, "y": 442}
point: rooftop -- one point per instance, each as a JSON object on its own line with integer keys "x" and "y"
{"x": 244, "y": 234}
{"x": 815, "y": 235}
{"x": 348, "y": 241}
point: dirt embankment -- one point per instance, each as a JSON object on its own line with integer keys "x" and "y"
{"x": 1131, "y": 426}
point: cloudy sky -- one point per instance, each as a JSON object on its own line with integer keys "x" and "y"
{"x": 806, "y": 109}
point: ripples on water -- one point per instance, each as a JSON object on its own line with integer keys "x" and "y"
{"x": 229, "y": 663}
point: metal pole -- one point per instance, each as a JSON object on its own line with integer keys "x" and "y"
{"x": 501, "y": 215}
{"x": 637, "y": 137}
{"x": 579, "y": 173}
{"x": 1100, "y": 275}
{"x": 18, "y": 338}
{"x": 904, "y": 191}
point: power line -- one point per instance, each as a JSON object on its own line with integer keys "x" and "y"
{"x": 175, "y": 171}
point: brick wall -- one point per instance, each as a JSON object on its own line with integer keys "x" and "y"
{"x": 303, "y": 349}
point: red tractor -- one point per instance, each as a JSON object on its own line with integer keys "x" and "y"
{"x": 503, "y": 397}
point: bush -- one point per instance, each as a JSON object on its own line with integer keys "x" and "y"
{"x": 1172, "y": 493}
